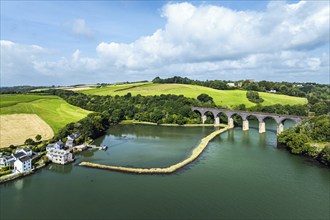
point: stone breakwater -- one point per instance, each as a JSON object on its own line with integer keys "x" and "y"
{"x": 193, "y": 156}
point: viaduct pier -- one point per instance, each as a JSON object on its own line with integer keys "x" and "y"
{"x": 261, "y": 116}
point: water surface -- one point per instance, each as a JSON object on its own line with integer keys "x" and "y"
{"x": 240, "y": 175}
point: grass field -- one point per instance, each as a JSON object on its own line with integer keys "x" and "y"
{"x": 52, "y": 109}
{"x": 110, "y": 90}
{"x": 16, "y": 128}
{"x": 220, "y": 97}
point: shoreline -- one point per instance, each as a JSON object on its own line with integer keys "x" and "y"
{"x": 196, "y": 152}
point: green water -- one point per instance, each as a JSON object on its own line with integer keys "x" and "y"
{"x": 240, "y": 175}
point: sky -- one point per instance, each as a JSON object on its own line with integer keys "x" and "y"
{"x": 82, "y": 42}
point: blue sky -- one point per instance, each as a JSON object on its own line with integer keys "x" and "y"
{"x": 71, "y": 42}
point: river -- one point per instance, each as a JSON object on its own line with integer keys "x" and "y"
{"x": 240, "y": 175}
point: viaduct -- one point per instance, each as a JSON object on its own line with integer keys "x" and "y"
{"x": 261, "y": 116}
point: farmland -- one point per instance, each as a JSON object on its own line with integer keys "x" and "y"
{"x": 16, "y": 128}
{"x": 52, "y": 109}
{"x": 220, "y": 97}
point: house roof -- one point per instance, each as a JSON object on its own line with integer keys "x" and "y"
{"x": 71, "y": 136}
{"x": 19, "y": 155}
{"x": 27, "y": 149}
{"x": 8, "y": 158}
{"x": 26, "y": 158}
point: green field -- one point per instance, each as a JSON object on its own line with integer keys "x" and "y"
{"x": 52, "y": 109}
{"x": 110, "y": 90}
{"x": 221, "y": 97}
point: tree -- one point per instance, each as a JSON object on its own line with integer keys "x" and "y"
{"x": 253, "y": 96}
{"x": 29, "y": 141}
{"x": 204, "y": 98}
{"x": 38, "y": 137}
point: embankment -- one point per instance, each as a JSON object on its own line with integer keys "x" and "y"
{"x": 193, "y": 156}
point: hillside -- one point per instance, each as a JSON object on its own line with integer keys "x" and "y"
{"x": 220, "y": 97}
{"x": 52, "y": 109}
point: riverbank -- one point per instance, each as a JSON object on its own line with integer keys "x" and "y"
{"x": 126, "y": 122}
{"x": 193, "y": 156}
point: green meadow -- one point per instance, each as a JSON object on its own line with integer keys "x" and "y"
{"x": 52, "y": 109}
{"x": 109, "y": 90}
{"x": 221, "y": 97}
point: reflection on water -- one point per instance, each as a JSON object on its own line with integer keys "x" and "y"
{"x": 19, "y": 184}
{"x": 59, "y": 168}
{"x": 262, "y": 139}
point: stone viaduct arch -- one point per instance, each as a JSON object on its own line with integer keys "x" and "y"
{"x": 261, "y": 116}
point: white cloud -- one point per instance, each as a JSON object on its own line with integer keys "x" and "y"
{"x": 203, "y": 42}
{"x": 79, "y": 27}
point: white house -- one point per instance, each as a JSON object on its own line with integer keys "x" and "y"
{"x": 6, "y": 161}
{"x": 26, "y": 151}
{"x": 69, "y": 142}
{"x": 71, "y": 138}
{"x": 59, "y": 156}
{"x": 272, "y": 91}
{"x": 58, "y": 145}
{"x": 231, "y": 84}
{"x": 23, "y": 164}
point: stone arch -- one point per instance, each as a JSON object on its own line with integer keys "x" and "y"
{"x": 288, "y": 119}
{"x": 296, "y": 120}
{"x": 220, "y": 116}
{"x": 210, "y": 114}
{"x": 274, "y": 118}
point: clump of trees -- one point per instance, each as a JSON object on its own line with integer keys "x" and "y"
{"x": 215, "y": 84}
{"x": 301, "y": 139}
{"x": 254, "y": 97}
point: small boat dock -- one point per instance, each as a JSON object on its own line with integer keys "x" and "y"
{"x": 104, "y": 147}
{"x": 83, "y": 147}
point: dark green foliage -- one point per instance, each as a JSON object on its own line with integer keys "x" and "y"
{"x": 108, "y": 110}
{"x": 2, "y": 173}
{"x": 18, "y": 89}
{"x": 29, "y": 141}
{"x": 5, "y": 168}
{"x": 204, "y": 98}
{"x": 301, "y": 110}
{"x": 38, "y": 137}
{"x": 253, "y": 96}
{"x": 324, "y": 155}
{"x": 157, "y": 109}
{"x": 215, "y": 84}
{"x": 313, "y": 130}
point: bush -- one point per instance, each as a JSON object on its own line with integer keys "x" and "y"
{"x": 254, "y": 97}
{"x": 5, "y": 168}
{"x": 324, "y": 156}
{"x": 2, "y": 173}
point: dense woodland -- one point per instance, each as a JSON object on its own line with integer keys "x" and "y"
{"x": 113, "y": 109}
{"x": 302, "y": 138}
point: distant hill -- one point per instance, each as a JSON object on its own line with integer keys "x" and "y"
{"x": 227, "y": 98}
